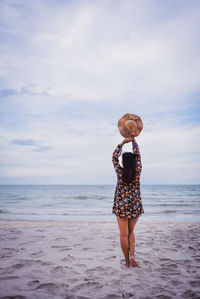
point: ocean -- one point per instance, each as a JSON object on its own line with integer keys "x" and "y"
{"x": 93, "y": 203}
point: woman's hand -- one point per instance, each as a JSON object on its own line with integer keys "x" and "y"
{"x": 133, "y": 135}
{"x": 127, "y": 139}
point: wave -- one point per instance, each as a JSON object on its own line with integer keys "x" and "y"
{"x": 80, "y": 197}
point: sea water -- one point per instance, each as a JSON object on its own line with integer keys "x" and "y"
{"x": 94, "y": 203}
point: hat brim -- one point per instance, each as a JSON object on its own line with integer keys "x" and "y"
{"x": 124, "y": 131}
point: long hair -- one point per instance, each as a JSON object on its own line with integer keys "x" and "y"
{"x": 129, "y": 166}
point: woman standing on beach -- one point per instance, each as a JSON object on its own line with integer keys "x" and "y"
{"x": 127, "y": 204}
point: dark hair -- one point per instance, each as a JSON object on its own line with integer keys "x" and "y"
{"x": 129, "y": 166}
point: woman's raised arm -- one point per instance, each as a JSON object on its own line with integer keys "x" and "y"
{"x": 117, "y": 153}
{"x": 136, "y": 151}
{"x": 115, "y": 158}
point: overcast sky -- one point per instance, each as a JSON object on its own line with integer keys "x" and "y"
{"x": 70, "y": 69}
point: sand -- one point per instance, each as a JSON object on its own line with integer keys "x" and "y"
{"x": 84, "y": 260}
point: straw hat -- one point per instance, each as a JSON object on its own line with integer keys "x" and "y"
{"x": 129, "y": 123}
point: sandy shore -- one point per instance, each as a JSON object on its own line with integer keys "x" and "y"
{"x": 84, "y": 260}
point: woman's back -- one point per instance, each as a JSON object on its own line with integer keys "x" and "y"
{"x": 127, "y": 199}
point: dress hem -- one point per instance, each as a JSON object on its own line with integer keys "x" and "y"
{"x": 129, "y": 217}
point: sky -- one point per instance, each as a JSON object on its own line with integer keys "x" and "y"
{"x": 69, "y": 70}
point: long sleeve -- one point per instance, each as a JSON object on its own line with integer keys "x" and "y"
{"x": 115, "y": 158}
{"x": 138, "y": 156}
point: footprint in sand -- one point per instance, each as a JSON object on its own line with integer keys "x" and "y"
{"x": 164, "y": 259}
{"x": 62, "y": 248}
{"x": 191, "y": 247}
{"x": 29, "y": 262}
{"x": 86, "y": 285}
{"x": 68, "y": 258}
{"x": 178, "y": 246}
{"x": 110, "y": 257}
{"x": 37, "y": 253}
{"x": 191, "y": 294}
{"x": 168, "y": 271}
{"x": 173, "y": 266}
{"x": 195, "y": 283}
{"x": 86, "y": 248}
{"x": 8, "y": 252}
{"x": 175, "y": 282}
{"x": 16, "y": 266}
{"x": 9, "y": 277}
{"x": 113, "y": 296}
{"x": 64, "y": 285}
{"x": 48, "y": 287}
{"x": 33, "y": 283}
{"x": 128, "y": 294}
{"x": 65, "y": 249}
{"x": 22, "y": 248}
{"x": 58, "y": 270}
{"x": 47, "y": 263}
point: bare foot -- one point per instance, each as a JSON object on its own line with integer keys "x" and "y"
{"x": 133, "y": 262}
{"x": 127, "y": 263}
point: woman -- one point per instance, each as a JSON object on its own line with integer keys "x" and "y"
{"x": 127, "y": 204}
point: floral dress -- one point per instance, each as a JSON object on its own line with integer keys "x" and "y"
{"x": 127, "y": 199}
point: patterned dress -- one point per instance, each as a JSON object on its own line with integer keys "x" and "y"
{"x": 127, "y": 199}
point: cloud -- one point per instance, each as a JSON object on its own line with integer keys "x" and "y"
{"x": 67, "y": 77}
{"x": 31, "y": 142}
{"x": 23, "y": 91}
{"x": 7, "y": 92}
{"x": 24, "y": 142}
{"x": 43, "y": 148}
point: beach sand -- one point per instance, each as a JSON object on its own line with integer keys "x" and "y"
{"x": 84, "y": 260}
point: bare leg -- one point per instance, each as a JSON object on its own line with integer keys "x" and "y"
{"x": 131, "y": 237}
{"x": 124, "y": 242}
{"x": 132, "y": 243}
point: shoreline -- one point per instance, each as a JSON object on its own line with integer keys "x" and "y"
{"x": 52, "y": 223}
{"x": 80, "y": 260}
